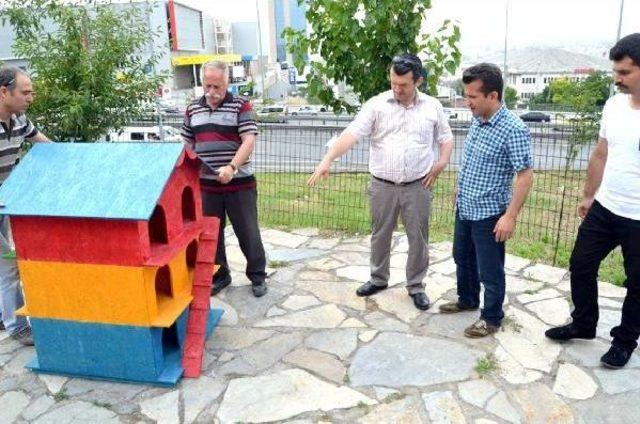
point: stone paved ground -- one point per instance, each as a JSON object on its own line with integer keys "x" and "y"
{"x": 311, "y": 351}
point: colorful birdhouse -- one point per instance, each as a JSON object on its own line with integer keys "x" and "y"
{"x": 115, "y": 258}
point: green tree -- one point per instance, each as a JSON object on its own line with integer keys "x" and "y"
{"x": 541, "y": 98}
{"x": 585, "y": 97}
{"x": 588, "y": 94}
{"x": 562, "y": 91}
{"x": 510, "y": 97}
{"x": 357, "y": 39}
{"x": 93, "y": 72}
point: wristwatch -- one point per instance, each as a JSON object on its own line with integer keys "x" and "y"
{"x": 235, "y": 168}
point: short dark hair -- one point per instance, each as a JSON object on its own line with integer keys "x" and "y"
{"x": 489, "y": 74}
{"x": 8, "y": 76}
{"x": 407, "y": 62}
{"x": 627, "y": 46}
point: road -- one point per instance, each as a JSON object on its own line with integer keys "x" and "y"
{"x": 299, "y": 144}
{"x": 297, "y": 148}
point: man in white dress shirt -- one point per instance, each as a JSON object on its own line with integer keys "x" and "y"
{"x": 404, "y": 126}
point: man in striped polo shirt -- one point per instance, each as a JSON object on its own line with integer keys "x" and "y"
{"x": 16, "y": 94}
{"x": 221, "y": 129}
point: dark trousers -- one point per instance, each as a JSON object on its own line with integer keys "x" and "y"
{"x": 601, "y": 232}
{"x": 479, "y": 257}
{"x": 241, "y": 208}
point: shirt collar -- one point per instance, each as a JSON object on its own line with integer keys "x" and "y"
{"x": 203, "y": 100}
{"x": 495, "y": 118}
{"x": 420, "y": 97}
{"x": 13, "y": 120}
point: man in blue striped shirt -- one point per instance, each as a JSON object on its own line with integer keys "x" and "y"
{"x": 497, "y": 147}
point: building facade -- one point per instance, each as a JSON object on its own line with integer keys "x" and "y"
{"x": 187, "y": 37}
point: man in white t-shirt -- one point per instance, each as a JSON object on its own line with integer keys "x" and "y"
{"x": 611, "y": 211}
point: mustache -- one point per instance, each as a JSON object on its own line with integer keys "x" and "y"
{"x": 620, "y": 85}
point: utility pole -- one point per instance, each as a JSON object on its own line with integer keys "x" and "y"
{"x": 506, "y": 36}
{"x": 620, "y": 19}
{"x": 260, "y": 64}
{"x": 148, "y": 10}
{"x": 612, "y": 87}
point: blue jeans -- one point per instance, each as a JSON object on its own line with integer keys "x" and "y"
{"x": 10, "y": 291}
{"x": 479, "y": 257}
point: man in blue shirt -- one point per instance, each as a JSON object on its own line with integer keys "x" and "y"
{"x": 497, "y": 147}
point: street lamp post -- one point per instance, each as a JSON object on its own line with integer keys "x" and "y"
{"x": 506, "y": 36}
{"x": 612, "y": 87}
{"x": 620, "y": 19}
{"x": 260, "y": 64}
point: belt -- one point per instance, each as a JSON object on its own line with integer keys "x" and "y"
{"x": 398, "y": 184}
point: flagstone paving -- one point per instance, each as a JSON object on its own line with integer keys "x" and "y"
{"x": 312, "y": 351}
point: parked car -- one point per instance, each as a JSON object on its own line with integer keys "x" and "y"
{"x": 272, "y": 113}
{"x": 450, "y": 113}
{"x": 535, "y": 117}
{"x": 305, "y": 111}
{"x": 151, "y": 133}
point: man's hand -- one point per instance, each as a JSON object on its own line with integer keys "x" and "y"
{"x": 454, "y": 197}
{"x": 504, "y": 228}
{"x": 584, "y": 206}
{"x": 225, "y": 174}
{"x": 431, "y": 177}
{"x": 321, "y": 171}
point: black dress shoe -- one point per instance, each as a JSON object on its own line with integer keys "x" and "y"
{"x": 259, "y": 289}
{"x": 616, "y": 357}
{"x": 421, "y": 301}
{"x": 219, "y": 282}
{"x": 368, "y": 288}
{"x": 568, "y": 332}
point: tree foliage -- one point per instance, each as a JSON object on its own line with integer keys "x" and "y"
{"x": 91, "y": 64}
{"x": 357, "y": 40}
{"x": 510, "y": 97}
{"x": 588, "y": 94}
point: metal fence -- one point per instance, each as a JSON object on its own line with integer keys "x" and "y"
{"x": 287, "y": 153}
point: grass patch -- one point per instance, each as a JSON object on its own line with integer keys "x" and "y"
{"x": 546, "y": 230}
{"x": 511, "y": 322}
{"x": 486, "y": 365}
{"x": 325, "y": 418}
{"x": 61, "y": 396}
{"x": 278, "y": 264}
{"x": 394, "y": 397}
{"x": 364, "y": 407}
{"x": 101, "y": 404}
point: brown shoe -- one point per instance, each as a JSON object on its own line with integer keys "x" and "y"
{"x": 480, "y": 328}
{"x": 454, "y": 308}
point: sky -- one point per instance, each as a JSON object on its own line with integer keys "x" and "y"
{"x": 482, "y": 22}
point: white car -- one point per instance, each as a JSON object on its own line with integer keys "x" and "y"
{"x": 272, "y": 113}
{"x": 151, "y": 133}
{"x": 450, "y": 113}
{"x": 305, "y": 111}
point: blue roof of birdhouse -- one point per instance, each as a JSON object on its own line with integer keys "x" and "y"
{"x": 90, "y": 180}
